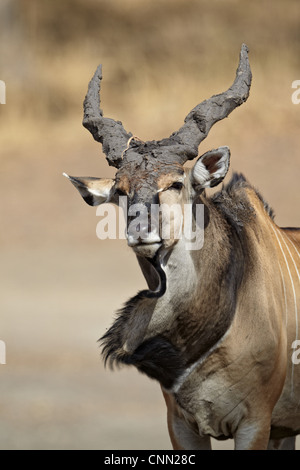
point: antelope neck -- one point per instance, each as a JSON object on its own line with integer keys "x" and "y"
{"x": 164, "y": 330}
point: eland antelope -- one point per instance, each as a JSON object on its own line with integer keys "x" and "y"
{"x": 216, "y": 325}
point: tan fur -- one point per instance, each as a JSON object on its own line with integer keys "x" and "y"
{"x": 171, "y": 410}
{"x": 166, "y": 180}
{"x": 124, "y": 184}
{"x": 249, "y": 383}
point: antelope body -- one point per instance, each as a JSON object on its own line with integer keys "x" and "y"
{"x": 216, "y": 325}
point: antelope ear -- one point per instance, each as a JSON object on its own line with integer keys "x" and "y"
{"x": 94, "y": 191}
{"x": 211, "y": 168}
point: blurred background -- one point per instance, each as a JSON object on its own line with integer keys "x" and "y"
{"x": 60, "y": 285}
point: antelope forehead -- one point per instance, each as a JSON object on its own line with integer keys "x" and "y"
{"x": 148, "y": 182}
{"x": 134, "y": 179}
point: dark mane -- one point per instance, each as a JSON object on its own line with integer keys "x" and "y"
{"x": 232, "y": 201}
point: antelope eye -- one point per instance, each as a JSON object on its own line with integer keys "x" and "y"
{"x": 176, "y": 185}
{"x": 120, "y": 192}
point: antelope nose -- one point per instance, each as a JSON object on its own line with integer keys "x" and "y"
{"x": 141, "y": 233}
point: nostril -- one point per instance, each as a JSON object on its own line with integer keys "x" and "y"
{"x": 142, "y": 227}
{"x": 138, "y": 231}
{"x": 142, "y": 233}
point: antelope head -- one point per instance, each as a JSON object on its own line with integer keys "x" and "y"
{"x": 153, "y": 172}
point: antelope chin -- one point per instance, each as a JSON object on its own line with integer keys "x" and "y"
{"x": 147, "y": 250}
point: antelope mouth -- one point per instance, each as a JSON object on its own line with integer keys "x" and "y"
{"x": 145, "y": 243}
{"x": 146, "y": 247}
{"x": 147, "y": 250}
{"x": 154, "y": 275}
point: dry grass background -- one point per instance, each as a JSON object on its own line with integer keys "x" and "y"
{"x": 59, "y": 284}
